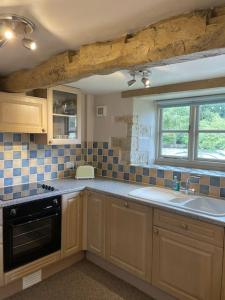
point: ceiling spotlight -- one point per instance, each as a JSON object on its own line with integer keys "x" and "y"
{"x": 145, "y": 78}
{"x": 145, "y": 81}
{"x": 19, "y": 27}
{"x": 8, "y": 34}
{"x": 29, "y": 44}
{"x": 132, "y": 81}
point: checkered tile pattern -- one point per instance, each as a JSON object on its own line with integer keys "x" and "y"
{"x": 108, "y": 164}
{"x": 22, "y": 161}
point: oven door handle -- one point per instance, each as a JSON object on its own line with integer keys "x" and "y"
{"x": 35, "y": 220}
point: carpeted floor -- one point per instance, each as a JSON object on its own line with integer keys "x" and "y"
{"x": 83, "y": 281}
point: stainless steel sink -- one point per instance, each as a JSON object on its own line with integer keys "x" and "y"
{"x": 156, "y": 194}
{"x": 209, "y": 206}
{"x": 203, "y": 205}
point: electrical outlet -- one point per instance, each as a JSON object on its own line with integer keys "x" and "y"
{"x": 70, "y": 165}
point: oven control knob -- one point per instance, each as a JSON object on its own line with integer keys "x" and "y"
{"x": 12, "y": 212}
{"x": 55, "y": 201}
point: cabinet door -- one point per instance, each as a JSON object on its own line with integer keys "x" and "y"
{"x": 20, "y": 113}
{"x": 71, "y": 224}
{"x": 129, "y": 237}
{"x": 96, "y": 224}
{"x": 186, "y": 268}
{"x": 64, "y": 115}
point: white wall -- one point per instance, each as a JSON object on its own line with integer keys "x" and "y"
{"x": 106, "y": 127}
{"x": 143, "y": 131}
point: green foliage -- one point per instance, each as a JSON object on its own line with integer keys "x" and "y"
{"x": 211, "y": 116}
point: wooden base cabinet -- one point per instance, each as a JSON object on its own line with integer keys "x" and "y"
{"x": 96, "y": 223}
{"x": 71, "y": 224}
{"x": 129, "y": 237}
{"x": 186, "y": 268}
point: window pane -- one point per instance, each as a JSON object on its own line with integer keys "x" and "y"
{"x": 176, "y": 118}
{"x": 212, "y": 116}
{"x": 174, "y": 144}
{"x": 211, "y": 146}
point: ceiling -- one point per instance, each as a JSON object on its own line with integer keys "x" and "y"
{"x": 63, "y": 25}
{"x": 204, "y": 68}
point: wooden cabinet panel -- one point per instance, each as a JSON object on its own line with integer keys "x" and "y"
{"x": 96, "y": 224}
{"x": 20, "y": 113}
{"x": 1, "y": 266}
{"x": 32, "y": 267}
{"x": 199, "y": 230}
{"x": 186, "y": 268}
{"x": 71, "y": 224}
{"x": 129, "y": 237}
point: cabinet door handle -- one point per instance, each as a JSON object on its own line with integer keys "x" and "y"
{"x": 50, "y": 142}
{"x": 126, "y": 204}
{"x": 184, "y": 226}
{"x": 43, "y": 130}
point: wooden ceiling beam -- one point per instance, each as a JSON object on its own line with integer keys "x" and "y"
{"x": 157, "y": 44}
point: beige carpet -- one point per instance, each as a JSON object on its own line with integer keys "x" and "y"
{"x": 83, "y": 281}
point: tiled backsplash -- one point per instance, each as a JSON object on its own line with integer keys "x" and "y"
{"x": 22, "y": 161}
{"x": 108, "y": 164}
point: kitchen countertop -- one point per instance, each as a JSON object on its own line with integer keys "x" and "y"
{"x": 114, "y": 188}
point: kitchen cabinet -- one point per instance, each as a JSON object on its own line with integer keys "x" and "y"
{"x": 96, "y": 223}
{"x": 129, "y": 237}
{"x": 22, "y": 114}
{"x": 71, "y": 224}
{"x": 64, "y": 116}
{"x": 184, "y": 266}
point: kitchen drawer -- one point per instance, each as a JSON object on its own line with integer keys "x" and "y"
{"x": 196, "y": 229}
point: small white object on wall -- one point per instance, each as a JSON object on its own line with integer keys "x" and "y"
{"x": 101, "y": 111}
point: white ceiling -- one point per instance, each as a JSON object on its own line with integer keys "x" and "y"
{"x": 204, "y": 68}
{"x": 67, "y": 24}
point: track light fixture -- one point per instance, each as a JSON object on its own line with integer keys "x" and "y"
{"x": 13, "y": 26}
{"x": 145, "y": 79}
{"x": 143, "y": 75}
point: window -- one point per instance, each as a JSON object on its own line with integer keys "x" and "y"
{"x": 192, "y": 133}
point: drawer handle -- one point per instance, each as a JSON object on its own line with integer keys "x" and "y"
{"x": 184, "y": 226}
{"x": 126, "y": 204}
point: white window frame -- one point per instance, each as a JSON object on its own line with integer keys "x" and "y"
{"x": 192, "y": 160}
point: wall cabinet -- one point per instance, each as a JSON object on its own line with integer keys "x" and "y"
{"x": 23, "y": 114}
{"x": 129, "y": 237}
{"x": 184, "y": 266}
{"x": 64, "y": 116}
{"x": 71, "y": 224}
{"x": 96, "y": 223}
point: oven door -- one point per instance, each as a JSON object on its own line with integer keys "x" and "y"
{"x": 30, "y": 238}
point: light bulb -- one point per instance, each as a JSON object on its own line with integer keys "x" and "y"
{"x": 33, "y": 46}
{"x": 29, "y": 44}
{"x": 146, "y": 82}
{"x": 8, "y": 34}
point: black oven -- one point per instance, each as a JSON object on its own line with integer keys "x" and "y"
{"x": 31, "y": 230}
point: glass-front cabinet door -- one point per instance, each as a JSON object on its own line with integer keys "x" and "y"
{"x": 64, "y": 124}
